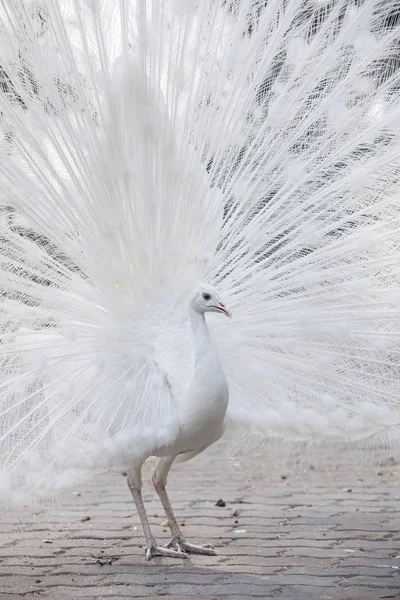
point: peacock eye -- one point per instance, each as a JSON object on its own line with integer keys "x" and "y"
{"x": 206, "y": 297}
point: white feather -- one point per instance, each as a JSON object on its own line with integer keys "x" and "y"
{"x": 147, "y": 147}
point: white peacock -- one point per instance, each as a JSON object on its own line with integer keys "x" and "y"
{"x": 147, "y": 147}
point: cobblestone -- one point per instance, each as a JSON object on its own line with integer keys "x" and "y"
{"x": 301, "y": 535}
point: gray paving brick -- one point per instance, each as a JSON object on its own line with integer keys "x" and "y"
{"x": 305, "y": 537}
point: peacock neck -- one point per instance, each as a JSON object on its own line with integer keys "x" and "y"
{"x": 201, "y": 334}
{"x": 207, "y": 397}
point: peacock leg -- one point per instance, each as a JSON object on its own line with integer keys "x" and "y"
{"x": 152, "y": 548}
{"x": 178, "y": 542}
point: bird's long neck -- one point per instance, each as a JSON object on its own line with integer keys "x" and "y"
{"x": 207, "y": 397}
{"x": 202, "y": 340}
{"x": 208, "y": 372}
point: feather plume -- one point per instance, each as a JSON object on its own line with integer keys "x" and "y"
{"x": 147, "y": 147}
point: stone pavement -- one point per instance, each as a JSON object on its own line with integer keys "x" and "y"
{"x": 306, "y": 533}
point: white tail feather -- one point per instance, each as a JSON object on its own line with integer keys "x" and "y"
{"x": 148, "y": 147}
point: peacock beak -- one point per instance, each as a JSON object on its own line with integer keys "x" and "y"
{"x": 221, "y": 307}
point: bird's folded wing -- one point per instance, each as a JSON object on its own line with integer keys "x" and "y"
{"x": 84, "y": 393}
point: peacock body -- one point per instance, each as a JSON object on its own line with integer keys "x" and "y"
{"x": 147, "y": 147}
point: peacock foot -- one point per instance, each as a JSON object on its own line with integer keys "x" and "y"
{"x": 180, "y": 545}
{"x": 154, "y": 550}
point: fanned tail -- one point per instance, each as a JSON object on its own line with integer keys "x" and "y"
{"x": 148, "y": 147}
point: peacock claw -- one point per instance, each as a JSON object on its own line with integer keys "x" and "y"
{"x": 155, "y": 550}
{"x": 182, "y": 546}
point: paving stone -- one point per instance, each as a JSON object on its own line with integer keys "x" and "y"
{"x": 305, "y": 537}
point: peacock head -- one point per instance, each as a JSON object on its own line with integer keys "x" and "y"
{"x": 207, "y": 299}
